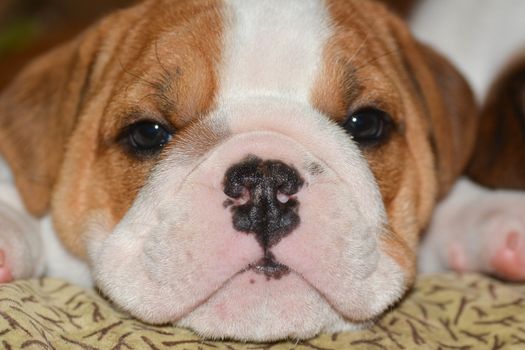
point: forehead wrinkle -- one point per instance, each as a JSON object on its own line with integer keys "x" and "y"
{"x": 159, "y": 85}
{"x": 121, "y": 45}
{"x": 338, "y": 72}
{"x": 352, "y": 86}
{"x": 163, "y": 94}
{"x": 355, "y": 45}
{"x": 385, "y": 56}
{"x": 164, "y": 85}
{"x": 136, "y": 51}
{"x": 146, "y": 93}
{"x": 349, "y": 86}
{"x": 377, "y": 43}
{"x": 383, "y": 45}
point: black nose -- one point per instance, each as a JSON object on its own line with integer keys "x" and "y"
{"x": 263, "y": 198}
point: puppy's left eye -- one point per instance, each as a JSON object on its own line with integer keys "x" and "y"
{"x": 369, "y": 126}
{"x": 147, "y": 137}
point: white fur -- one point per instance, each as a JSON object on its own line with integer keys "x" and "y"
{"x": 8, "y": 193}
{"x": 179, "y": 212}
{"x": 59, "y": 262}
{"x": 19, "y": 236}
{"x": 471, "y": 226}
{"x": 451, "y": 220}
{"x": 31, "y": 245}
{"x": 273, "y": 47}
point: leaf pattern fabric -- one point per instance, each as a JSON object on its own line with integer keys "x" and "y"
{"x": 443, "y": 311}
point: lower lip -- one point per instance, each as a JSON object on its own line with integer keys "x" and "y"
{"x": 270, "y": 268}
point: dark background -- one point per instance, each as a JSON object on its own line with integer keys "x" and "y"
{"x": 30, "y": 27}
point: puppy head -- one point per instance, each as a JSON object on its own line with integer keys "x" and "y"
{"x": 248, "y": 169}
{"x": 499, "y": 160}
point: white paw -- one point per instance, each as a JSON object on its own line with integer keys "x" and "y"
{"x": 20, "y": 246}
{"x": 479, "y": 230}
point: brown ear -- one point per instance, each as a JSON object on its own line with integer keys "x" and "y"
{"x": 447, "y": 102}
{"x": 37, "y": 115}
{"x": 499, "y": 156}
{"x": 401, "y": 7}
{"x": 454, "y": 115}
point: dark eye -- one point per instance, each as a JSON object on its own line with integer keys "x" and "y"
{"x": 147, "y": 137}
{"x": 369, "y": 126}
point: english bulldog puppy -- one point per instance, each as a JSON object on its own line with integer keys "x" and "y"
{"x": 480, "y": 226}
{"x": 248, "y": 169}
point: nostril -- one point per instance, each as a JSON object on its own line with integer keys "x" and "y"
{"x": 282, "y": 198}
{"x": 244, "y": 196}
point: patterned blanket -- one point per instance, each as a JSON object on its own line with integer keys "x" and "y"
{"x": 443, "y": 311}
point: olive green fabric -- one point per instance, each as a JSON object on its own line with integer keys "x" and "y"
{"x": 443, "y": 311}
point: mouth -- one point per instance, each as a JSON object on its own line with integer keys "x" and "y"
{"x": 269, "y": 267}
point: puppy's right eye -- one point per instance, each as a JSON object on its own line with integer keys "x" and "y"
{"x": 147, "y": 137}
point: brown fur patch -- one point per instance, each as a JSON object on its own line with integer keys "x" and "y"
{"x": 39, "y": 112}
{"x": 156, "y": 58}
{"x": 401, "y": 7}
{"x": 163, "y": 67}
{"x": 499, "y": 156}
{"x": 373, "y": 61}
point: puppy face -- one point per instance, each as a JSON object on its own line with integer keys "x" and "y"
{"x": 248, "y": 169}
